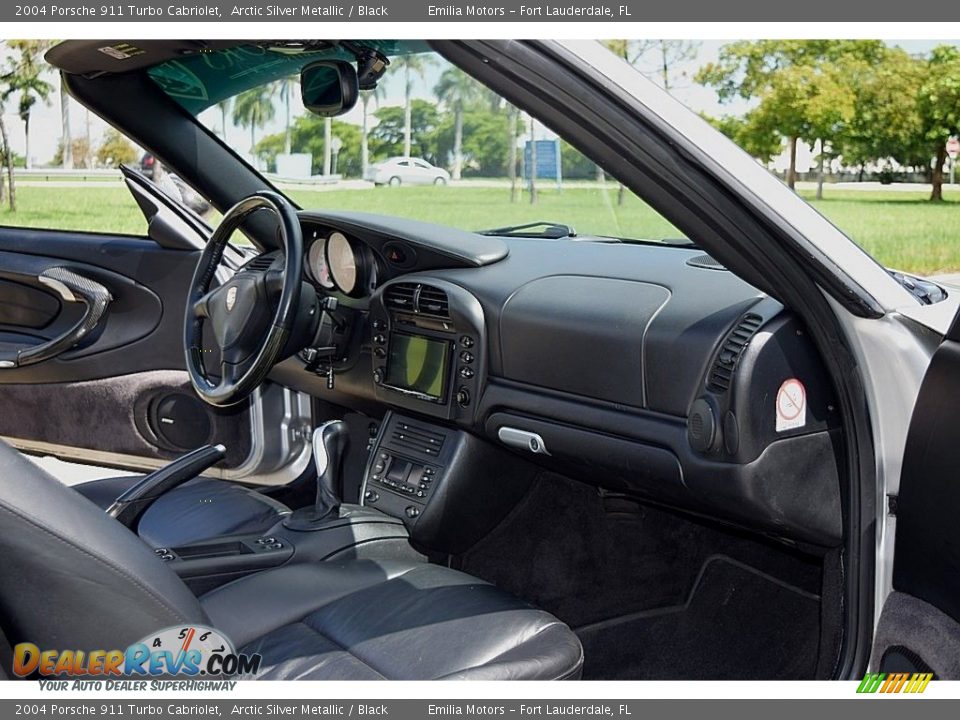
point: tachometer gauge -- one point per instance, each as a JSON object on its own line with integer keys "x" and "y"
{"x": 317, "y": 264}
{"x": 343, "y": 263}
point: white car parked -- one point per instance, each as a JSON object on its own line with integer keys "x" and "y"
{"x": 398, "y": 171}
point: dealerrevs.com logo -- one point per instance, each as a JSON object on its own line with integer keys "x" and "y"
{"x": 192, "y": 651}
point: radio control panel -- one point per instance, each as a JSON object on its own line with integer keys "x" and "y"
{"x": 428, "y": 340}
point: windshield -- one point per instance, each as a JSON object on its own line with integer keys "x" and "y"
{"x": 428, "y": 143}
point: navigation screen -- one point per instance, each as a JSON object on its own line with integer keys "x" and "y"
{"x": 418, "y": 363}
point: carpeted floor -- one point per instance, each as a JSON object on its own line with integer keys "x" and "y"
{"x": 655, "y": 593}
{"x": 738, "y": 624}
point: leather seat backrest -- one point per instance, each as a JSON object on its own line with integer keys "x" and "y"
{"x": 73, "y": 578}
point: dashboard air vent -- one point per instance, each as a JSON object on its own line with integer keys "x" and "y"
{"x": 400, "y": 297}
{"x": 433, "y": 301}
{"x": 721, "y": 373}
{"x": 259, "y": 264}
{"x": 417, "y": 298}
{"x": 417, "y": 439}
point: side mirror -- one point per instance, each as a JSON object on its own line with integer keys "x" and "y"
{"x": 329, "y": 87}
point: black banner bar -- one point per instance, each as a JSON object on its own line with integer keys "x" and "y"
{"x": 459, "y": 11}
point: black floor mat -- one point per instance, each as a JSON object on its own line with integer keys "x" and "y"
{"x": 586, "y": 559}
{"x": 738, "y": 623}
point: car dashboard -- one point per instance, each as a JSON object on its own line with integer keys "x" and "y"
{"x": 642, "y": 369}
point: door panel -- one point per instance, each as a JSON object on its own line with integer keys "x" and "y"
{"x": 139, "y": 330}
{"x": 120, "y": 396}
{"x": 919, "y": 627}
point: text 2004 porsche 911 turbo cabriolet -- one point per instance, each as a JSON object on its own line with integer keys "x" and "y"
{"x": 380, "y": 448}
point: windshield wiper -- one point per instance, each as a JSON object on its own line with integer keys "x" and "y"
{"x": 551, "y": 230}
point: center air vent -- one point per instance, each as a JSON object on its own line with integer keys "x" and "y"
{"x": 721, "y": 373}
{"x": 417, "y": 439}
{"x": 417, "y": 298}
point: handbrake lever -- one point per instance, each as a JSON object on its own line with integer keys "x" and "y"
{"x": 129, "y": 507}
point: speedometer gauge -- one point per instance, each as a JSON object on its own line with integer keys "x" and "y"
{"x": 342, "y": 261}
{"x": 317, "y": 264}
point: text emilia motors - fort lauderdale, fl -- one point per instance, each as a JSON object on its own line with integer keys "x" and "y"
{"x": 341, "y": 10}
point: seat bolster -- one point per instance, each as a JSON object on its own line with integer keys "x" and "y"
{"x": 256, "y": 605}
{"x": 554, "y": 653}
{"x": 73, "y": 577}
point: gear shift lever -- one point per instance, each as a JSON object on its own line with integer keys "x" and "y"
{"x": 329, "y": 444}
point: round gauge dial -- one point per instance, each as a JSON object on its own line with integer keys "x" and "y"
{"x": 343, "y": 262}
{"x": 317, "y": 264}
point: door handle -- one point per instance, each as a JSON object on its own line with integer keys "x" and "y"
{"x": 71, "y": 287}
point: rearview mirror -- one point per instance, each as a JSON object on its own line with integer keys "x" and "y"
{"x": 329, "y": 87}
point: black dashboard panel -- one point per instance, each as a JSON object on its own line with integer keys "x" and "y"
{"x": 427, "y": 246}
{"x": 642, "y": 369}
{"x": 582, "y": 335}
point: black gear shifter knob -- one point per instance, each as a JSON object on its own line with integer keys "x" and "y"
{"x": 329, "y": 447}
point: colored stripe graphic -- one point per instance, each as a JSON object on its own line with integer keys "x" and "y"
{"x": 894, "y": 683}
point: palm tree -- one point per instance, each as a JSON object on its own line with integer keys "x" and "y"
{"x": 457, "y": 89}
{"x": 253, "y": 109}
{"x": 412, "y": 65}
{"x": 286, "y": 87}
{"x": 365, "y": 97}
{"x": 66, "y": 137}
{"x": 25, "y": 76}
{"x": 224, "y": 107}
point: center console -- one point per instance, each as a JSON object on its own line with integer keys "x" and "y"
{"x": 449, "y": 488}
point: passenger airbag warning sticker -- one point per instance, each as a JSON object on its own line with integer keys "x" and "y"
{"x": 791, "y": 405}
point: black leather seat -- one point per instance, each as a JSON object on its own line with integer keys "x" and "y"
{"x": 72, "y": 577}
{"x": 197, "y": 510}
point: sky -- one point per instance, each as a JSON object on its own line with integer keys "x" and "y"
{"x": 45, "y": 127}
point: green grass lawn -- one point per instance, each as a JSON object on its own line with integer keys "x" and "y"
{"x": 901, "y": 229}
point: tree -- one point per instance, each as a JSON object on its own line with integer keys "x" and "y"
{"x": 366, "y": 96}
{"x": 938, "y": 104}
{"x": 457, "y": 90}
{"x": 886, "y": 122}
{"x": 793, "y": 79}
{"x": 24, "y": 76}
{"x": 80, "y": 150}
{"x": 115, "y": 150}
{"x": 307, "y": 136}
{"x": 749, "y": 132}
{"x": 388, "y": 138}
{"x": 660, "y": 60}
{"x": 513, "y": 120}
{"x": 411, "y": 65}
{"x": 66, "y": 139}
{"x": 286, "y": 90}
{"x": 224, "y": 107}
{"x": 254, "y": 108}
{"x": 483, "y": 138}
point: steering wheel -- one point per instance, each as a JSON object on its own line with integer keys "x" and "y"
{"x": 250, "y": 336}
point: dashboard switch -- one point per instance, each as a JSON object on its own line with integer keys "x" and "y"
{"x": 463, "y": 397}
